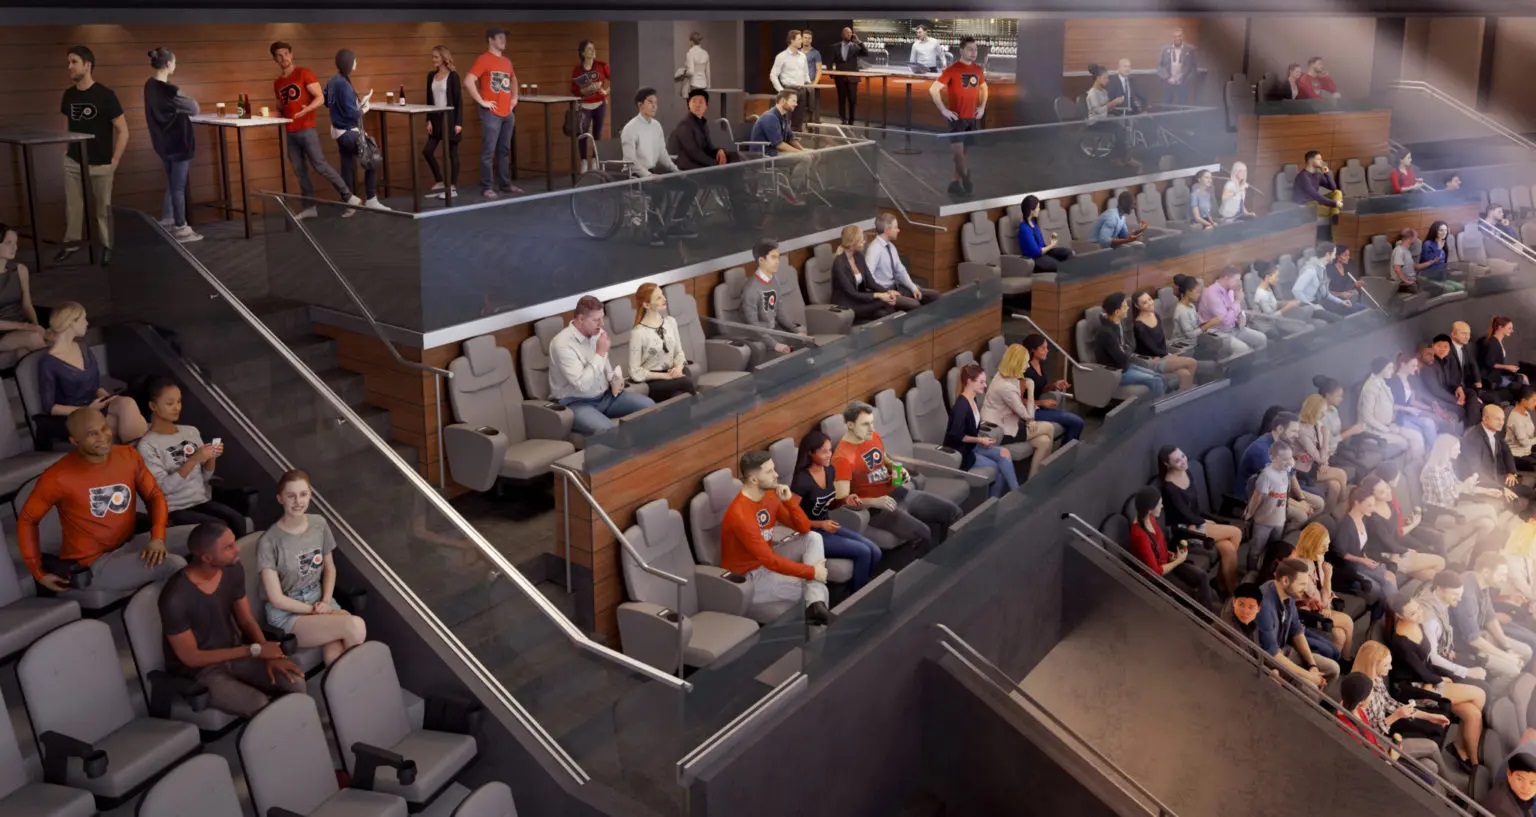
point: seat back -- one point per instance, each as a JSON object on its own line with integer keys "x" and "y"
{"x": 791, "y": 301}
{"x": 146, "y": 636}
{"x": 891, "y": 422}
{"x": 1250, "y": 283}
{"x": 1520, "y": 197}
{"x": 619, "y": 321}
{"x": 253, "y": 589}
{"x": 818, "y": 281}
{"x": 494, "y": 799}
{"x": 362, "y": 693}
{"x": 200, "y": 787}
{"x": 1499, "y": 196}
{"x": 1149, "y": 204}
{"x": 1086, "y": 329}
{"x": 1066, "y": 109}
{"x": 707, "y": 510}
{"x": 13, "y": 769}
{"x": 690, "y": 330}
{"x": 952, "y": 377}
{"x": 1008, "y": 233}
{"x": 1198, "y": 484}
{"x": 1469, "y": 245}
{"x": 1528, "y": 232}
{"x": 1053, "y": 218}
{"x": 1284, "y": 181}
{"x": 484, "y": 390}
{"x": 834, "y": 427}
{"x": 663, "y": 544}
{"x": 1220, "y": 471}
{"x": 1288, "y": 273}
{"x": 727, "y": 295}
{"x": 1352, "y": 180}
{"x": 27, "y": 385}
{"x": 73, "y": 684}
{"x": 1378, "y": 177}
{"x": 285, "y": 757}
{"x": 1118, "y": 529}
{"x": 993, "y": 356}
{"x": 978, "y": 242}
{"x": 1376, "y": 260}
{"x": 1176, "y": 201}
{"x": 533, "y": 355}
{"x": 1082, "y": 216}
{"x": 927, "y": 413}
{"x": 784, "y": 453}
{"x": 1166, "y": 303}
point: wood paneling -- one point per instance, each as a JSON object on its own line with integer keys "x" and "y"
{"x": 218, "y": 62}
{"x": 1268, "y": 143}
{"x": 1105, "y": 40}
{"x": 1355, "y": 231}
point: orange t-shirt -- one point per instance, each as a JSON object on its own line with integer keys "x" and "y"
{"x": 962, "y": 83}
{"x": 96, "y": 506}
{"x": 746, "y": 535}
{"x": 495, "y": 79}
{"x": 869, "y": 474}
{"x": 292, "y": 95}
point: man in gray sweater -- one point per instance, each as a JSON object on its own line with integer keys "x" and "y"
{"x": 760, "y": 297}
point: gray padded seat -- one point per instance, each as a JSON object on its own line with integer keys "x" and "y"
{"x": 1352, "y": 182}
{"x": 1288, "y": 274}
{"x": 18, "y": 462}
{"x": 146, "y": 641}
{"x": 22, "y": 794}
{"x": 1378, "y": 177}
{"x": 715, "y": 627}
{"x": 1053, "y": 218}
{"x": 1472, "y": 249}
{"x": 952, "y": 377}
{"x": 24, "y": 618}
{"x": 619, "y": 322}
{"x": 1500, "y": 196}
{"x": 1284, "y": 181}
{"x": 727, "y": 295}
{"x": 288, "y": 765}
{"x": 1081, "y": 217}
{"x": 785, "y": 452}
{"x": 1008, "y": 230}
{"x": 711, "y": 363}
{"x": 979, "y": 246}
{"x": 491, "y": 800}
{"x": 824, "y": 322}
{"x": 1098, "y": 385}
{"x": 1149, "y": 205}
{"x": 498, "y": 433}
{"x": 73, "y": 685}
{"x": 200, "y": 787}
{"x": 533, "y": 356}
{"x": 29, "y": 389}
{"x": 309, "y": 659}
{"x": 1376, "y": 259}
{"x": 1528, "y": 232}
{"x": 993, "y": 356}
{"x": 1520, "y": 200}
{"x": 707, "y": 509}
{"x": 363, "y": 696}
{"x": 1176, "y": 203}
{"x": 891, "y": 423}
{"x": 818, "y": 275}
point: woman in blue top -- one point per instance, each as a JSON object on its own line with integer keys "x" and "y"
{"x": 346, "y": 119}
{"x": 68, "y": 378}
{"x": 815, "y": 482}
{"x": 978, "y": 447}
{"x": 1032, "y": 243}
{"x": 1433, "y": 252}
{"x": 1201, "y": 202}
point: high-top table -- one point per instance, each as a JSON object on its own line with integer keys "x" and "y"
{"x": 906, "y": 149}
{"x": 549, "y": 160}
{"x": 885, "y": 79}
{"x": 26, "y": 138}
{"x": 410, "y": 112}
{"x": 225, "y": 123}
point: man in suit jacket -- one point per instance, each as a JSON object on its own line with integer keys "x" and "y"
{"x": 1177, "y": 67}
{"x": 845, "y": 57}
{"x": 1120, "y": 85}
{"x": 1476, "y": 380}
{"x": 1486, "y": 455}
{"x": 1449, "y": 382}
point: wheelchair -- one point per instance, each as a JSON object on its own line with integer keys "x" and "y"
{"x": 603, "y": 208}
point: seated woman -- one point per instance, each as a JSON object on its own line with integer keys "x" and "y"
{"x": 1433, "y": 253}
{"x": 1114, "y": 351}
{"x": 1404, "y": 180}
{"x": 1442, "y": 489}
{"x": 1422, "y": 728}
{"x": 1010, "y": 407}
{"x": 1152, "y": 349}
{"x": 1408, "y": 406}
{"x": 1269, "y": 313}
{"x": 1234, "y": 196}
{"x": 1354, "y": 569}
{"x": 1352, "y": 449}
{"x": 1202, "y": 209}
{"x": 1312, "y": 440}
{"x": 1411, "y": 674}
{"x": 1390, "y": 539}
{"x": 18, "y": 318}
{"x": 656, "y": 355}
{"x": 1101, "y": 108}
{"x": 964, "y": 433}
{"x": 814, "y": 481}
{"x": 1287, "y": 88}
{"x": 1520, "y": 428}
{"x": 298, "y": 574}
{"x": 182, "y": 464}
{"x": 1191, "y": 336}
{"x": 1377, "y": 411}
{"x": 852, "y": 285}
{"x": 1494, "y": 359}
{"x": 1047, "y": 409}
{"x": 1149, "y": 545}
{"x": 68, "y": 378}
{"x": 1032, "y": 243}
{"x": 1334, "y": 628}
{"x": 1340, "y": 284}
{"x": 1181, "y": 507}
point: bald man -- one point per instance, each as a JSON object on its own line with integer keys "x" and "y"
{"x": 1485, "y": 455}
{"x": 93, "y": 489}
{"x": 1475, "y": 380}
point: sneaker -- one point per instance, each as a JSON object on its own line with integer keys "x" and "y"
{"x": 817, "y": 615}
{"x": 168, "y": 223}
{"x": 791, "y": 198}
{"x": 63, "y": 255}
{"x": 375, "y": 204}
{"x": 966, "y": 183}
{"x": 354, "y": 201}
{"x": 512, "y": 190}
{"x": 307, "y": 212}
{"x": 185, "y": 234}
{"x": 956, "y": 189}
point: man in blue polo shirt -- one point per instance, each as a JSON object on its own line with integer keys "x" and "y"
{"x": 1110, "y": 229}
{"x": 1279, "y": 626}
{"x": 773, "y": 127}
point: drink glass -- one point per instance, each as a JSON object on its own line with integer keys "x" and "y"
{"x": 220, "y": 108}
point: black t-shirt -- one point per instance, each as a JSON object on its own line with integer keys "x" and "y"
{"x": 815, "y": 500}
{"x": 91, "y": 111}
{"x": 210, "y": 616}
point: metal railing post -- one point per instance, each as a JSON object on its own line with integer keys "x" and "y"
{"x": 565, "y": 504}
{"x": 442, "y": 460}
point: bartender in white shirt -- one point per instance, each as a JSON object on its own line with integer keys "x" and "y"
{"x": 928, "y": 52}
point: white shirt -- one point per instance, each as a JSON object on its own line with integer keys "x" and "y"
{"x": 885, "y": 266}
{"x": 439, "y": 91}
{"x": 1231, "y": 206}
{"x": 1098, "y": 103}
{"x": 575, "y": 367}
{"x": 1493, "y": 440}
{"x": 790, "y": 70}
{"x": 645, "y": 146}
{"x": 928, "y": 53}
{"x": 696, "y": 63}
{"x": 1265, "y": 302}
{"x": 1460, "y": 358}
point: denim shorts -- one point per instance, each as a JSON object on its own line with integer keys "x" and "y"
{"x": 282, "y": 619}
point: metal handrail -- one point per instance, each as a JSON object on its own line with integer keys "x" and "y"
{"x": 1466, "y": 110}
{"x": 724, "y": 733}
{"x": 1265, "y": 663}
{"x": 876, "y": 176}
{"x": 378, "y": 331}
{"x": 491, "y": 554}
{"x": 1008, "y": 686}
{"x": 1054, "y": 345}
{"x": 1519, "y": 248}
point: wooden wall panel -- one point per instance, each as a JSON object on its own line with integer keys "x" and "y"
{"x": 1105, "y": 40}
{"x": 1355, "y": 231}
{"x": 1268, "y": 143}
{"x": 218, "y": 62}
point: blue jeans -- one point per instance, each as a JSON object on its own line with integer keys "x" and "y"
{"x": 304, "y": 152}
{"x": 347, "y": 147}
{"x": 1006, "y": 479}
{"x": 174, "y": 209}
{"x": 1137, "y": 375}
{"x": 1071, "y": 424}
{"x": 594, "y": 415}
{"x": 1423, "y": 425}
{"x": 496, "y": 150}
{"x": 847, "y": 543}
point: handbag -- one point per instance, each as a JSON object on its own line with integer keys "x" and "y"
{"x": 368, "y": 153}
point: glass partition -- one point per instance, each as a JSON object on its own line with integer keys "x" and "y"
{"x": 1418, "y": 200}
{"x": 1176, "y": 243}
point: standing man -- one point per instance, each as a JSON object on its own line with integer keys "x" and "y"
{"x": 928, "y": 56}
{"x": 790, "y": 73}
{"x": 964, "y": 85}
{"x": 1177, "y": 68}
{"x": 813, "y": 68}
{"x": 91, "y": 108}
{"x": 886, "y": 268}
{"x": 1316, "y": 83}
{"x": 299, "y": 95}
{"x": 492, "y": 84}
{"x": 845, "y": 57}
{"x": 645, "y": 151}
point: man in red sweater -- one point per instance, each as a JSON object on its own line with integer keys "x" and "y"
{"x": 780, "y": 574}
{"x": 93, "y": 489}
{"x": 1316, "y": 83}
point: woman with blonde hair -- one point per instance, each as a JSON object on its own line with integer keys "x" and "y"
{"x": 68, "y": 377}
{"x": 1010, "y": 406}
{"x": 852, "y": 285}
{"x": 444, "y": 89}
{"x": 656, "y": 356}
{"x": 1422, "y": 730}
{"x": 1441, "y": 488}
{"x": 1234, "y": 194}
{"x": 1318, "y": 613}
{"x": 1315, "y": 443}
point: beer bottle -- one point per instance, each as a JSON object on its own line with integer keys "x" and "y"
{"x": 240, "y": 106}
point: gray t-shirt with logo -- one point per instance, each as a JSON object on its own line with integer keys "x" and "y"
{"x": 298, "y": 558}
{"x": 164, "y": 454}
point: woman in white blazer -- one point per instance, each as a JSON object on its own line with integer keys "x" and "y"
{"x": 1010, "y": 405}
{"x": 1378, "y": 411}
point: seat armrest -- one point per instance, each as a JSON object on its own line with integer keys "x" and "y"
{"x": 1017, "y": 266}
{"x": 721, "y": 590}
{"x": 546, "y": 420}
{"x": 368, "y": 759}
{"x": 58, "y": 748}
{"x": 279, "y": 811}
{"x": 723, "y": 355}
{"x": 452, "y": 713}
{"x": 288, "y": 642}
{"x": 974, "y": 272}
{"x": 475, "y": 454}
{"x": 855, "y": 519}
{"x": 828, "y": 319}
{"x": 938, "y": 470}
{"x": 352, "y": 599}
{"x": 650, "y": 633}
{"x": 936, "y": 454}
{"x": 165, "y": 688}
{"x": 237, "y": 497}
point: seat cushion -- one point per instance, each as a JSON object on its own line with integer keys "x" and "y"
{"x": 308, "y": 659}
{"x": 1017, "y": 285}
{"x": 359, "y": 803}
{"x": 839, "y": 570}
{"x": 44, "y": 800}
{"x": 712, "y": 380}
{"x": 438, "y": 755}
{"x": 954, "y": 490}
{"x": 531, "y": 458}
{"x": 135, "y": 753}
{"x": 93, "y": 599}
{"x": 718, "y": 637}
{"x": 16, "y": 470}
{"x": 23, "y": 621}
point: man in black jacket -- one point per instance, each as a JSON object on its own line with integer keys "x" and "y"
{"x": 1449, "y": 384}
{"x": 845, "y": 57}
{"x": 1486, "y": 455}
{"x": 695, "y": 148}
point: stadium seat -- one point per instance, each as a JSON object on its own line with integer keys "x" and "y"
{"x": 947, "y": 480}
{"x": 199, "y": 787}
{"x": 24, "y": 618}
{"x": 23, "y": 794}
{"x": 1520, "y": 200}
{"x": 19, "y": 462}
{"x": 979, "y": 246}
{"x": 288, "y": 766}
{"x": 1376, "y": 259}
{"x": 1352, "y": 183}
{"x": 1378, "y": 177}
{"x": 706, "y": 617}
{"x": 784, "y": 453}
{"x": 1284, "y": 181}
{"x": 1149, "y": 205}
{"x": 825, "y": 322}
{"x": 818, "y": 275}
{"x": 533, "y": 356}
{"x": 490, "y": 800}
{"x": 498, "y": 433}
{"x": 73, "y": 687}
{"x": 1053, "y": 219}
{"x": 727, "y": 301}
{"x": 711, "y": 362}
{"x": 1471, "y": 249}
{"x": 1176, "y": 203}
{"x": 928, "y": 419}
{"x": 1081, "y": 217}
{"x": 1500, "y": 196}
{"x": 1093, "y": 384}
{"x": 168, "y": 696}
{"x": 707, "y": 509}
{"x": 993, "y": 356}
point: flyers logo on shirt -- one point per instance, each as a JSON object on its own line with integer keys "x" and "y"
{"x": 501, "y": 82}
{"x": 310, "y": 562}
{"x": 770, "y": 300}
{"x": 822, "y": 504}
{"x": 107, "y": 499}
{"x": 969, "y": 80}
{"x": 82, "y": 111}
{"x": 180, "y": 451}
{"x": 289, "y": 93}
{"x": 874, "y": 461}
{"x": 763, "y": 523}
